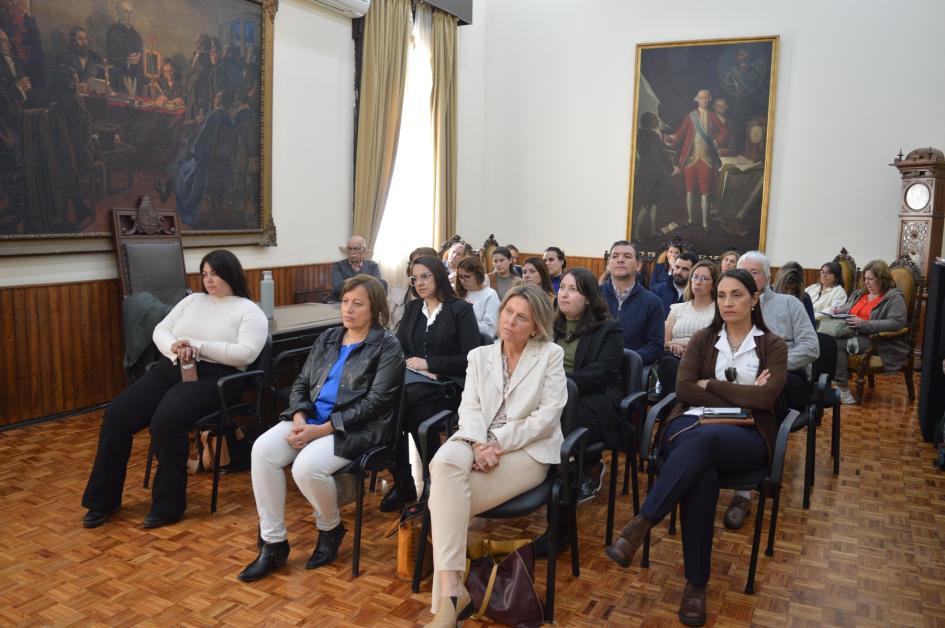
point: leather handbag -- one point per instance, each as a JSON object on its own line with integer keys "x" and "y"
{"x": 408, "y": 529}
{"x": 500, "y": 578}
{"x": 836, "y": 327}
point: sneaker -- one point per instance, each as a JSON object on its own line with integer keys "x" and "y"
{"x": 591, "y": 483}
{"x": 846, "y": 397}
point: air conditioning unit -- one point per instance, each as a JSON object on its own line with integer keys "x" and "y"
{"x": 348, "y": 8}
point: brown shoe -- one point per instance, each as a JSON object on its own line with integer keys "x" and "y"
{"x": 692, "y": 609}
{"x": 629, "y": 541}
{"x": 737, "y": 511}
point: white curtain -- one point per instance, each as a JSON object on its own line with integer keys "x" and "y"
{"x": 408, "y": 216}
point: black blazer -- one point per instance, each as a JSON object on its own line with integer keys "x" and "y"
{"x": 597, "y": 375}
{"x": 454, "y": 335}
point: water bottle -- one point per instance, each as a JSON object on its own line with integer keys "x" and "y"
{"x": 267, "y": 291}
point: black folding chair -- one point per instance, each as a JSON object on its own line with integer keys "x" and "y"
{"x": 230, "y": 390}
{"x": 631, "y": 369}
{"x": 558, "y": 490}
{"x": 766, "y": 480}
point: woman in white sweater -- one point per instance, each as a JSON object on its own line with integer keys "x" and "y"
{"x": 470, "y": 286}
{"x": 218, "y": 332}
{"x": 829, "y": 291}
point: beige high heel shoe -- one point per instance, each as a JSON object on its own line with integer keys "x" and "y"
{"x": 449, "y": 614}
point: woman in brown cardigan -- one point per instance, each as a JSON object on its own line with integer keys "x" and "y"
{"x": 735, "y": 362}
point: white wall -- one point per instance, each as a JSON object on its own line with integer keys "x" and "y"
{"x": 312, "y": 156}
{"x": 549, "y": 106}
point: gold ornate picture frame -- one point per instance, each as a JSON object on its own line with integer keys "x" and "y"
{"x": 89, "y": 130}
{"x": 700, "y": 162}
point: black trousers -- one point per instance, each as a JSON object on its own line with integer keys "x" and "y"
{"x": 690, "y": 477}
{"x": 422, "y": 402}
{"x": 170, "y": 407}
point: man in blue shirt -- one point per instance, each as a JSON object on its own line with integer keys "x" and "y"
{"x": 639, "y": 311}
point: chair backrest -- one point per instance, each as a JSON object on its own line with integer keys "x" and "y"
{"x": 847, "y": 269}
{"x": 908, "y": 279}
{"x": 631, "y": 372}
{"x": 485, "y": 339}
{"x": 263, "y": 361}
{"x": 149, "y": 252}
{"x": 569, "y": 414}
{"x": 826, "y": 362}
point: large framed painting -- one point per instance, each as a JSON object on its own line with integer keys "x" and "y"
{"x": 700, "y": 166}
{"x": 104, "y": 102}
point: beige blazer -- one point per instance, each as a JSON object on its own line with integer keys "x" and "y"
{"x": 537, "y": 396}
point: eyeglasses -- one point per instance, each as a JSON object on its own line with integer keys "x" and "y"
{"x": 354, "y": 249}
{"x": 464, "y": 277}
{"x": 701, "y": 278}
{"x": 421, "y": 278}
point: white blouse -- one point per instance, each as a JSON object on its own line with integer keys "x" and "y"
{"x": 825, "y": 299}
{"x": 745, "y": 360}
{"x": 485, "y": 304}
{"x": 688, "y": 320}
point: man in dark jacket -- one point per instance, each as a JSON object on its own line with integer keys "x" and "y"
{"x": 124, "y": 50}
{"x": 639, "y": 311}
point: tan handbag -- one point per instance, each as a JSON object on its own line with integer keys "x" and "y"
{"x": 408, "y": 529}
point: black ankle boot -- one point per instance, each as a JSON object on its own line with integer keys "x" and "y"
{"x": 271, "y": 557}
{"x": 326, "y": 550}
{"x": 402, "y": 493}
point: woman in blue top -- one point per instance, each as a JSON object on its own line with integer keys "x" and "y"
{"x": 341, "y": 405}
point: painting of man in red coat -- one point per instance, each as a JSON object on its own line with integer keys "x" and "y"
{"x": 697, "y": 140}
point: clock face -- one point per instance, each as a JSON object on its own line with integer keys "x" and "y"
{"x": 917, "y": 196}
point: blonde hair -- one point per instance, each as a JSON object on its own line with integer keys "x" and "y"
{"x": 541, "y": 308}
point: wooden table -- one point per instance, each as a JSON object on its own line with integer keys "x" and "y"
{"x": 299, "y": 325}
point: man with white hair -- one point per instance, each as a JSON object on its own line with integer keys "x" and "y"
{"x": 785, "y": 316}
{"x": 124, "y": 50}
{"x": 353, "y": 264}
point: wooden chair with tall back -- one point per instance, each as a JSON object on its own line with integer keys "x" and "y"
{"x": 149, "y": 252}
{"x": 848, "y": 270}
{"x": 866, "y": 365}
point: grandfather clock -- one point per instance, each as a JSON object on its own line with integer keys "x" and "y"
{"x": 921, "y": 206}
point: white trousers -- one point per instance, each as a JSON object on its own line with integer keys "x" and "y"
{"x": 457, "y": 492}
{"x": 312, "y": 469}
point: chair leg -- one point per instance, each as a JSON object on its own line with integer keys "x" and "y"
{"x": 373, "y": 485}
{"x": 645, "y": 560}
{"x": 626, "y": 466}
{"x": 575, "y": 545}
{"x": 672, "y": 521}
{"x": 835, "y": 439}
{"x": 756, "y": 541}
{"x": 773, "y": 526}
{"x": 421, "y": 550}
{"x": 216, "y": 471}
{"x": 147, "y": 468}
{"x": 358, "y": 518}
{"x": 810, "y": 458}
{"x": 612, "y": 496}
{"x": 872, "y": 379}
{"x": 860, "y": 383}
{"x": 910, "y": 385}
{"x": 552, "y": 554}
{"x": 635, "y": 478}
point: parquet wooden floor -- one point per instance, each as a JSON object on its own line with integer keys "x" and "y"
{"x": 869, "y": 552}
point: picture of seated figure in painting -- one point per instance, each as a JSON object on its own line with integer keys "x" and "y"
{"x": 102, "y": 103}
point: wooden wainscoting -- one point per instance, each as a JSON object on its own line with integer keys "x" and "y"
{"x": 61, "y": 345}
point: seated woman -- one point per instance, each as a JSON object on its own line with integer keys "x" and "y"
{"x": 879, "y": 306}
{"x": 728, "y": 260}
{"x": 437, "y": 333}
{"x": 686, "y": 318}
{"x": 327, "y": 425}
{"x": 593, "y": 353}
{"x": 503, "y": 277}
{"x": 829, "y": 291}
{"x": 739, "y": 348}
{"x": 790, "y": 280}
{"x": 555, "y": 262}
{"x": 219, "y": 332}
{"x": 400, "y": 296}
{"x": 470, "y": 278}
{"x": 535, "y": 273}
{"x": 664, "y": 272}
{"x": 509, "y": 433}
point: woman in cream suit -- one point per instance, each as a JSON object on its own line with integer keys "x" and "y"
{"x": 509, "y": 433}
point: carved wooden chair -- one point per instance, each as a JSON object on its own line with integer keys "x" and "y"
{"x": 848, "y": 270}
{"x": 150, "y": 256}
{"x": 908, "y": 278}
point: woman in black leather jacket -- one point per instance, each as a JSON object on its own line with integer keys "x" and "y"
{"x": 342, "y": 404}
